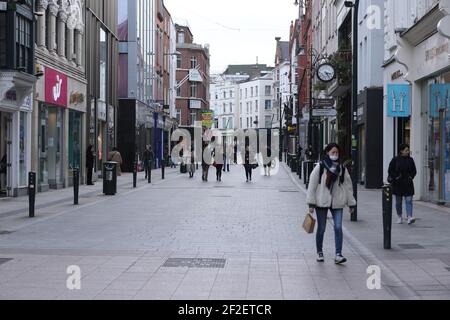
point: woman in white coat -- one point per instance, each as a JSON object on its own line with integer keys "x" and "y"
{"x": 330, "y": 189}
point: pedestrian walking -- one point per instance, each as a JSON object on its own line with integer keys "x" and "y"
{"x": 248, "y": 165}
{"x": 330, "y": 189}
{"x": 402, "y": 171}
{"x": 148, "y": 159}
{"x": 191, "y": 168}
{"x": 267, "y": 161}
{"x": 90, "y": 159}
{"x": 115, "y": 156}
{"x": 205, "y": 165}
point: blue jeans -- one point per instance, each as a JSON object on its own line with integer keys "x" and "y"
{"x": 399, "y": 206}
{"x": 322, "y": 225}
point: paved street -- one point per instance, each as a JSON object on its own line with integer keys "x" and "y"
{"x": 130, "y": 246}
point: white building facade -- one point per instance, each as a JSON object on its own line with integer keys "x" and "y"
{"x": 417, "y": 91}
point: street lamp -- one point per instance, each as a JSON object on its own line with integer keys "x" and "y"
{"x": 355, "y": 6}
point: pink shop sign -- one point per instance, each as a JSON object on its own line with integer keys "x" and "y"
{"x": 55, "y": 87}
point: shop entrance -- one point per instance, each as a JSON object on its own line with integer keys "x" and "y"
{"x": 51, "y": 148}
{"x": 5, "y": 154}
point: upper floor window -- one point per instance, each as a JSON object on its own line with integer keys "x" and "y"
{"x": 179, "y": 61}
{"x": 193, "y": 90}
{"x": 23, "y": 43}
{"x": 180, "y": 37}
{"x": 268, "y": 90}
{"x": 193, "y": 62}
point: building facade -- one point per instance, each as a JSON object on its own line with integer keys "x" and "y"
{"x": 17, "y": 80}
{"x": 102, "y": 59}
{"x": 417, "y": 90}
{"x": 192, "y": 78}
{"x": 137, "y": 78}
{"x": 60, "y": 104}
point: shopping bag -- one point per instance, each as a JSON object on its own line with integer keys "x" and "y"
{"x": 309, "y": 223}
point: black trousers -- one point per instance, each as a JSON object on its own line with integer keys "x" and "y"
{"x": 219, "y": 171}
{"x": 248, "y": 171}
{"x": 89, "y": 176}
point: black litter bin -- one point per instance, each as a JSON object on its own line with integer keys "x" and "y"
{"x": 110, "y": 178}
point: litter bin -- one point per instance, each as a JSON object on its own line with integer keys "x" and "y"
{"x": 110, "y": 178}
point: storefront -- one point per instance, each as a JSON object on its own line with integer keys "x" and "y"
{"x": 423, "y": 90}
{"x": 15, "y": 147}
{"x": 59, "y": 122}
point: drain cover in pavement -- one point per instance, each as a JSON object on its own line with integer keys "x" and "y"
{"x": 4, "y": 260}
{"x": 289, "y": 191}
{"x": 5, "y": 232}
{"x": 195, "y": 263}
{"x": 448, "y": 269}
{"x": 411, "y": 246}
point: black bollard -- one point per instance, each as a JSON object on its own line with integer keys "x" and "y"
{"x": 149, "y": 172}
{"x": 31, "y": 193}
{"x": 76, "y": 185}
{"x": 135, "y": 175}
{"x": 163, "y": 168}
{"x": 387, "y": 216}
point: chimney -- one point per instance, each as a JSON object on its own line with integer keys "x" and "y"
{"x": 277, "y": 39}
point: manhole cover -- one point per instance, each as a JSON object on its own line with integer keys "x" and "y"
{"x": 411, "y": 246}
{"x": 4, "y": 260}
{"x": 195, "y": 263}
{"x": 5, "y": 232}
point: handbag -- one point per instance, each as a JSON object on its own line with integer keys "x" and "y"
{"x": 309, "y": 224}
{"x": 254, "y": 166}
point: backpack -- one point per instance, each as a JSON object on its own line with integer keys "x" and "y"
{"x": 322, "y": 170}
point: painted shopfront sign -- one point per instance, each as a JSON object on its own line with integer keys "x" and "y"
{"x": 440, "y": 98}
{"x": 55, "y": 87}
{"x": 399, "y": 100}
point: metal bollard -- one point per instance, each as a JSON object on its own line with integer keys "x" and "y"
{"x": 31, "y": 193}
{"x": 163, "y": 168}
{"x": 149, "y": 172}
{"x": 76, "y": 185}
{"x": 387, "y": 216}
{"x": 299, "y": 169}
{"x": 135, "y": 175}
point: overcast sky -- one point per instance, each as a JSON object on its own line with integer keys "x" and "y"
{"x": 237, "y": 31}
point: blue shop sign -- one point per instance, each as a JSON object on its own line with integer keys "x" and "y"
{"x": 399, "y": 100}
{"x": 440, "y": 98}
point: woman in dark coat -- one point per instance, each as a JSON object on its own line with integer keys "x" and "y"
{"x": 90, "y": 156}
{"x": 248, "y": 165}
{"x": 402, "y": 171}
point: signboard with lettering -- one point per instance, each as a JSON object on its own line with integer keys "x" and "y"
{"x": 207, "y": 119}
{"x": 324, "y": 102}
{"x": 399, "y": 100}
{"x": 55, "y": 87}
{"x": 195, "y": 104}
{"x": 195, "y": 76}
{"x": 324, "y": 112}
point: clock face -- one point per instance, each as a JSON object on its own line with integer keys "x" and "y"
{"x": 326, "y": 72}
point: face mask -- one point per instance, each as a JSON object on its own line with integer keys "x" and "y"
{"x": 334, "y": 158}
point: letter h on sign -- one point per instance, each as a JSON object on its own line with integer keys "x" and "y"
{"x": 399, "y": 100}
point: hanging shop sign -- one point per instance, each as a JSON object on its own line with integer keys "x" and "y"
{"x": 207, "y": 119}
{"x": 195, "y": 76}
{"x": 55, "y": 87}
{"x": 399, "y": 100}
{"x": 324, "y": 112}
{"x": 440, "y": 98}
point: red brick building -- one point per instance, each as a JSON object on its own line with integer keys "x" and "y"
{"x": 192, "y": 78}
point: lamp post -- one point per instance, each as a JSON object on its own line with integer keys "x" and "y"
{"x": 355, "y": 5}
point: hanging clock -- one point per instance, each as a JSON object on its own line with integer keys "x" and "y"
{"x": 326, "y": 72}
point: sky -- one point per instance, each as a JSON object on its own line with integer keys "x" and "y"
{"x": 238, "y": 31}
